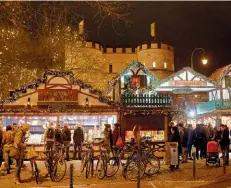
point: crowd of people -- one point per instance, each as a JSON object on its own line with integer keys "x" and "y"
{"x": 187, "y": 137}
{"x": 13, "y": 147}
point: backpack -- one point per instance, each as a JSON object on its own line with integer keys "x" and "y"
{"x": 50, "y": 133}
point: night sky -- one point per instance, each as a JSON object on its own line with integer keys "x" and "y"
{"x": 185, "y": 25}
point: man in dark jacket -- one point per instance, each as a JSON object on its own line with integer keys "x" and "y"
{"x": 190, "y": 141}
{"x": 198, "y": 140}
{"x": 78, "y": 139}
{"x": 183, "y": 141}
{"x": 225, "y": 141}
{"x": 66, "y": 139}
{"x": 58, "y": 135}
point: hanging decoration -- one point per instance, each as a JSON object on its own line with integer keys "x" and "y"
{"x": 134, "y": 64}
{"x": 220, "y": 73}
{"x": 15, "y": 94}
{"x": 171, "y": 77}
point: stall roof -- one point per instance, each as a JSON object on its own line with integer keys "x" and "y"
{"x": 186, "y": 81}
{"x": 133, "y": 64}
{"x": 72, "y": 80}
{"x": 220, "y": 73}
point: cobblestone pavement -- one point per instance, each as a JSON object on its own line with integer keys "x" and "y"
{"x": 207, "y": 177}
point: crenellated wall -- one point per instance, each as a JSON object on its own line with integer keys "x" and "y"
{"x": 160, "y": 53}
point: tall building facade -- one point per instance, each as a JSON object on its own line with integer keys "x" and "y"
{"x": 157, "y": 57}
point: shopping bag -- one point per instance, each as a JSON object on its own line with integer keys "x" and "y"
{"x": 120, "y": 142}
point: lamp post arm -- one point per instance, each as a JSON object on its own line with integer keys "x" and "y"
{"x": 193, "y": 54}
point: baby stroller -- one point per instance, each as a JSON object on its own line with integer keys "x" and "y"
{"x": 212, "y": 154}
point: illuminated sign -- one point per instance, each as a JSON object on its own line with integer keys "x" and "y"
{"x": 187, "y": 83}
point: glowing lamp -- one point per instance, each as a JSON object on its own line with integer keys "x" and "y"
{"x": 204, "y": 61}
{"x": 192, "y": 113}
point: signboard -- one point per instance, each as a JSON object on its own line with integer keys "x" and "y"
{"x": 54, "y": 95}
{"x": 187, "y": 83}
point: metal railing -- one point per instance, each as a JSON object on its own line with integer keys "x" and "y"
{"x": 145, "y": 100}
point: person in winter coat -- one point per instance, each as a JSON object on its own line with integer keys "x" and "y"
{"x": 78, "y": 139}
{"x": 224, "y": 142}
{"x": 116, "y": 133}
{"x": 21, "y": 147}
{"x": 190, "y": 141}
{"x": 170, "y": 125}
{"x": 108, "y": 142}
{"x": 183, "y": 141}
{"x": 198, "y": 140}
{"x": 66, "y": 139}
{"x": 49, "y": 137}
{"x": 8, "y": 141}
{"x": 205, "y": 130}
{"x": 175, "y": 137}
{"x": 58, "y": 135}
{"x": 211, "y": 131}
{"x": 136, "y": 134}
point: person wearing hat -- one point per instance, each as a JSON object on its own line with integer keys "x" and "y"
{"x": 108, "y": 136}
{"x": 21, "y": 147}
{"x": 66, "y": 139}
{"x": 78, "y": 139}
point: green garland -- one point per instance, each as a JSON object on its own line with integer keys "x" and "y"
{"x": 35, "y": 84}
{"x": 134, "y": 64}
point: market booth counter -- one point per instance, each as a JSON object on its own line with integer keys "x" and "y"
{"x": 58, "y": 97}
{"x": 153, "y": 126}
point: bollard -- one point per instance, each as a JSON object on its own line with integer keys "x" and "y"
{"x": 71, "y": 175}
{"x": 194, "y": 165}
{"x": 224, "y": 162}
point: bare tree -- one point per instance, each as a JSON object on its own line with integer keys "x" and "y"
{"x": 35, "y": 35}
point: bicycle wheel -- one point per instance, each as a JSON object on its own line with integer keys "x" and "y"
{"x": 88, "y": 168}
{"x": 101, "y": 168}
{"x": 32, "y": 169}
{"x": 113, "y": 166}
{"x": 36, "y": 172}
{"x": 59, "y": 170}
{"x": 132, "y": 170}
{"x": 152, "y": 165}
{"x": 83, "y": 162}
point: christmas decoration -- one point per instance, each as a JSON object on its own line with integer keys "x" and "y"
{"x": 15, "y": 94}
{"x": 184, "y": 70}
{"x": 134, "y": 64}
{"x": 220, "y": 73}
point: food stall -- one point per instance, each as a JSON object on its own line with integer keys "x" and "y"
{"x": 58, "y": 97}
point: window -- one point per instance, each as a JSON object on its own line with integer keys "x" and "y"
{"x": 154, "y": 64}
{"x": 110, "y": 68}
{"x": 165, "y": 65}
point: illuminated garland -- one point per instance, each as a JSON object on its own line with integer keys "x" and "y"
{"x": 73, "y": 81}
{"x": 183, "y": 70}
{"x": 225, "y": 71}
{"x": 134, "y": 64}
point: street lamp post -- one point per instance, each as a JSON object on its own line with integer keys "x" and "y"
{"x": 204, "y": 61}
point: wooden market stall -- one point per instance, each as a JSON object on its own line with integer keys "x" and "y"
{"x": 58, "y": 97}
